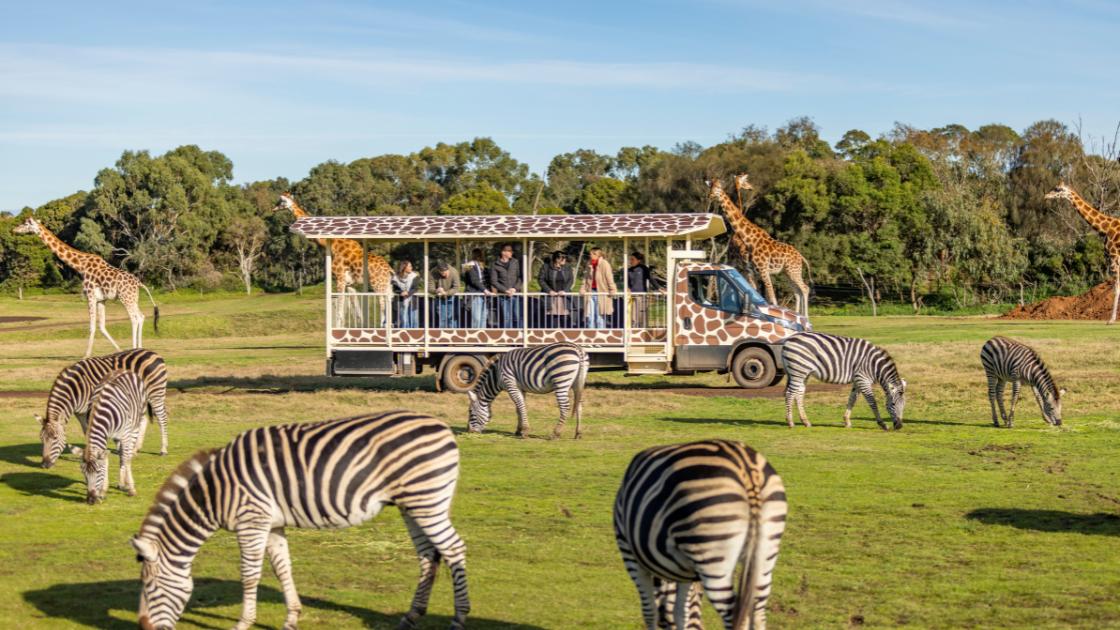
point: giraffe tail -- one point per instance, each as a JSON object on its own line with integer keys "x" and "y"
{"x": 809, "y": 272}
{"x": 155, "y": 309}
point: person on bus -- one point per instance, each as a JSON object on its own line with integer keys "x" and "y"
{"x": 556, "y": 280}
{"x": 404, "y": 286}
{"x": 598, "y": 290}
{"x": 505, "y": 280}
{"x": 445, "y": 286}
{"x": 641, "y": 282}
{"x": 474, "y": 276}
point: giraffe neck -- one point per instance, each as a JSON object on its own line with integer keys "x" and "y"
{"x": 747, "y": 231}
{"x": 72, "y": 257}
{"x": 300, "y": 213}
{"x": 1096, "y": 218}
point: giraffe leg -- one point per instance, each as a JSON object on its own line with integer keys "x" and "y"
{"x": 101, "y": 322}
{"x": 768, "y": 282}
{"x": 802, "y": 291}
{"x": 92, "y": 326}
{"x": 1115, "y": 295}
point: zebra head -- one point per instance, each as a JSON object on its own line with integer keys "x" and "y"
{"x": 1050, "y": 400}
{"x": 479, "y": 414}
{"x": 896, "y": 400}
{"x": 95, "y": 467}
{"x": 53, "y": 436}
{"x": 164, "y": 588}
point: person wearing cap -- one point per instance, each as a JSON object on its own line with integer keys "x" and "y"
{"x": 445, "y": 286}
{"x": 505, "y": 280}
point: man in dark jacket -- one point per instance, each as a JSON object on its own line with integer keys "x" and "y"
{"x": 641, "y": 282}
{"x": 556, "y": 279}
{"x": 505, "y": 280}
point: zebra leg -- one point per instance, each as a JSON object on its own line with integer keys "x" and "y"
{"x": 253, "y": 539}
{"x": 127, "y": 447}
{"x": 869, "y": 394}
{"x": 851, "y": 403}
{"x": 429, "y": 563}
{"x": 143, "y": 431}
{"x": 281, "y": 561}
{"x": 647, "y": 591}
{"x": 795, "y": 392}
{"x": 999, "y": 399}
{"x": 721, "y": 593}
{"x": 993, "y": 384}
{"x": 522, "y": 413}
{"x": 680, "y": 610}
{"x": 1015, "y": 387}
{"x": 439, "y": 531}
{"x": 157, "y": 406}
{"x": 564, "y": 401}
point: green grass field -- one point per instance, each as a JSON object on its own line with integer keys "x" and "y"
{"x": 948, "y": 523}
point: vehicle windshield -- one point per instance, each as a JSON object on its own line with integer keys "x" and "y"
{"x": 753, "y": 296}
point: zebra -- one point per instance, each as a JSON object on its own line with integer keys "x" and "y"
{"x": 1009, "y": 360}
{"x": 558, "y": 367}
{"x": 117, "y": 412}
{"x": 836, "y": 359}
{"x": 690, "y": 512}
{"x": 73, "y": 390}
{"x": 322, "y": 475}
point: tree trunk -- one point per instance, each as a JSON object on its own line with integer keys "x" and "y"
{"x": 870, "y": 287}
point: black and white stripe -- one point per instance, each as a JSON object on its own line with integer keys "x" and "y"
{"x": 558, "y": 367}
{"x": 72, "y": 393}
{"x": 692, "y": 512}
{"x": 331, "y": 474}
{"x": 836, "y": 359}
{"x": 117, "y": 413}
{"x": 1006, "y": 360}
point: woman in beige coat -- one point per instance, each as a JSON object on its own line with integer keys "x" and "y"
{"x": 599, "y": 289}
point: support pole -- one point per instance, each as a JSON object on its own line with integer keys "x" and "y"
{"x": 626, "y": 297}
{"x": 330, "y": 302}
{"x": 524, "y": 292}
{"x": 365, "y": 283}
{"x": 427, "y": 304}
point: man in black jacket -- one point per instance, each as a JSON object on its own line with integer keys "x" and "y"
{"x": 641, "y": 283}
{"x": 556, "y": 279}
{"x": 505, "y": 280}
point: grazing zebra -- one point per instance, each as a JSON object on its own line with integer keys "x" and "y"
{"x": 836, "y": 359}
{"x": 1008, "y": 360}
{"x": 73, "y": 390}
{"x": 559, "y": 367}
{"x": 691, "y": 512}
{"x": 331, "y": 474}
{"x": 117, "y": 413}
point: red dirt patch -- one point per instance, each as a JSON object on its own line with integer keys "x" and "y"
{"x": 1094, "y": 304}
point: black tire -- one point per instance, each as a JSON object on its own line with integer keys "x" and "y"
{"x": 753, "y": 368}
{"x": 460, "y": 373}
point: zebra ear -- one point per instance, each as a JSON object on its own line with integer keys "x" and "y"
{"x": 471, "y": 396}
{"x": 1061, "y": 392}
{"x": 40, "y": 419}
{"x": 145, "y": 550}
{"x": 76, "y": 451}
{"x": 903, "y": 384}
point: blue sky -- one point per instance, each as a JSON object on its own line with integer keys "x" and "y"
{"x": 281, "y": 86}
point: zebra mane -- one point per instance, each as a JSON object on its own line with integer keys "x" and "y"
{"x": 176, "y": 482}
{"x": 889, "y": 372}
{"x": 488, "y": 374}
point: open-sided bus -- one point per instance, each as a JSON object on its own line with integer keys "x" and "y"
{"x": 708, "y": 317}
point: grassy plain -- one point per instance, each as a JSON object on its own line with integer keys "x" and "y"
{"x": 948, "y": 523}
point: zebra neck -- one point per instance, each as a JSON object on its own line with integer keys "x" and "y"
{"x": 488, "y": 386}
{"x": 184, "y": 515}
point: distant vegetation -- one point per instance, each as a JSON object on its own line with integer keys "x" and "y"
{"x": 946, "y": 218}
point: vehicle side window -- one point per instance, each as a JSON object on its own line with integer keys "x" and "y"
{"x": 730, "y": 300}
{"x": 712, "y": 290}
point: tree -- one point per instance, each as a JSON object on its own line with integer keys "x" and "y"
{"x": 23, "y": 257}
{"x": 479, "y": 200}
{"x": 603, "y": 196}
{"x": 247, "y": 234}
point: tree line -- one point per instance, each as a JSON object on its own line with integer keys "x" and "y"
{"x": 948, "y": 215}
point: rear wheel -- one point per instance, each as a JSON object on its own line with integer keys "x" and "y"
{"x": 460, "y": 373}
{"x": 754, "y": 368}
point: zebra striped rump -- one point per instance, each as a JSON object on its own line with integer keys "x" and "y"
{"x": 322, "y": 475}
{"x": 1006, "y": 360}
{"x": 72, "y": 393}
{"x": 693, "y": 512}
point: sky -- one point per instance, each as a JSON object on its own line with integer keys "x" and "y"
{"x": 282, "y": 86}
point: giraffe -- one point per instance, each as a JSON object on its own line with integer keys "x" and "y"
{"x": 100, "y": 282}
{"x": 1107, "y": 225}
{"x": 766, "y": 254}
{"x": 346, "y": 261}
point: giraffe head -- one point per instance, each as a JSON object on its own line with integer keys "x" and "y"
{"x": 1061, "y": 191}
{"x": 715, "y": 189}
{"x": 742, "y": 182}
{"x": 30, "y": 226}
{"x": 286, "y": 202}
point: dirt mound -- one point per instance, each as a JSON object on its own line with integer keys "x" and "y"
{"x": 1096, "y": 303}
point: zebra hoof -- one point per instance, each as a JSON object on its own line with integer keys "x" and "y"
{"x": 408, "y": 622}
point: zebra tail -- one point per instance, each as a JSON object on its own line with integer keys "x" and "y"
{"x": 577, "y": 390}
{"x": 745, "y": 602}
{"x": 155, "y": 308}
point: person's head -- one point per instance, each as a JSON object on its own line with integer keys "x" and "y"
{"x": 507, "y": 252}
{"x": 476, "y": 256}
{"x": 559, "y": 259}
{"x": 404, "y": 267}
{"x": 636, "y": 258}
{"x": 596, "y": 253}
{"x": 443, "y": 270}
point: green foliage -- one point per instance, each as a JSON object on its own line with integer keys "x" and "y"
{"x": 605, "y": 195}
{"x": 481, "y": 199}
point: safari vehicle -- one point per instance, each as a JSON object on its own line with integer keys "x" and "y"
{"x": 707, "y": 318}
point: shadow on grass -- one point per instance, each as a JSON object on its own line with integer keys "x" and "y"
{"x": 269, "y": 384}
{"x": 23, "y": 454}
{"x": 92, "y": 604}
{"x": 1101, "y": 524}
{"x": 728, "y": 421}
{"x": 43, "y": 485}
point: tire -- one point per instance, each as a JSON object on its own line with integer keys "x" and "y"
{"x": 753, "y": 368}
{"x": 459, "y": 373}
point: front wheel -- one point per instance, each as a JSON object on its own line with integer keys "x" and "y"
{"x": 460, "y": 373}
{"x": 753, "y": 368}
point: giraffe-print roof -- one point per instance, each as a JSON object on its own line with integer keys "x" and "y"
{"x": 697, "y": 226}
